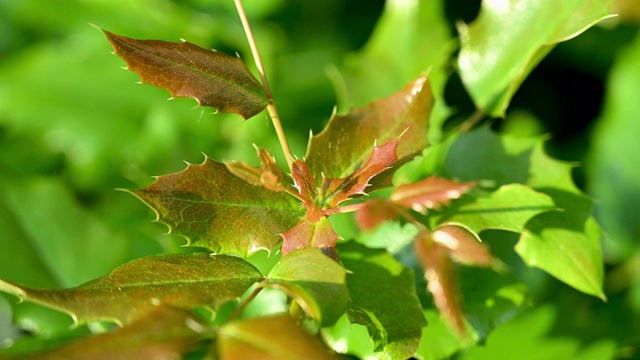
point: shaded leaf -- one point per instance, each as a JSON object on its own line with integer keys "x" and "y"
{"x": 349, "y": 138}
{"x": 316, "y": 282}
{"x": 135, "y": 288}
{"x": 335, "y": 191}
{"x": 383, "y": 299}
{"x": 428, "y": 193}
{"x": 441, "y": 279}
{"x": 463, "y": 245}
{"x": 213, "y": 208}
{"x": 163, "y": 333}
{"x": 268, "y": 175}
{"x": 508, "y": 208}
{"x": 187, "y": 70}
{"x": 374, "y": 212}
{"x": 509, "y": 38}
{"x": 307, "y": 234}
{"x": 276, "y": 338}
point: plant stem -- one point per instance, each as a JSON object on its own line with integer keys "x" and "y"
{"x": 273, "y": 113}
{"x": 472, "y": 120}
{"x": 244, "y": 303}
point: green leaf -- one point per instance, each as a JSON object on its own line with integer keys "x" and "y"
{"x": 135, "y": 288}
{"x": 509, "y": 38}
{"x": 163, "y": 333}
{"x": 306, "y": 234}
{"x": 213, "y": 208}
{"x": 350, "y": 138}
{"x": 276, "y": 337}
{"x": 315, "y": 281}
{"x": 187, "y": 70}
{"x": 383, "y": 298}
{"x": 508, "y": 208}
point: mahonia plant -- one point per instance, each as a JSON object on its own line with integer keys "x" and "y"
{"x": 168, "y": 305}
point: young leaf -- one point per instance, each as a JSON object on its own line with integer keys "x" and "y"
{"x": 316, "y": 282}
{"x": 213, "y": 208}
{"x": 307, "y": 233}
{"x": 383, "y": 299}
{"x": 187, "y": 70}
{"x": 463, "y": 245}
{"x": 428, "y": 193}
{"x": 269, "y": 338}
{"x": 441, "y": 279}
{"x": 335, "y": 191}
{"x": 304, "y": 183}
{"x": 136, "y": 288}
{"x": 374, "y": 212}
{"x": 508, "y": 39}
{"x": 508, "y": 208}
{"x": 349, "y": 138}
{"x": 163, "y": 333}
{"x": 267, "y": 175}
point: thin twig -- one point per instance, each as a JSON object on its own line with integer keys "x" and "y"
{"x": 244, "y": 303}
{"x": 275, "y": 118}
{"x": 471, "y": 121}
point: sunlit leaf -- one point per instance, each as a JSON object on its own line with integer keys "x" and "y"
{"x": 383, "y": 299}
{"x": 508, "y": 208}
{"x": 428, "y": 193}
{"x": 213, "y": 208}
{"x": 349, "y": 138}
{"x": 268, "y": 174}
{"x": 269, "y": 338}
{"x": 374, "y": 212}
{"x": 136, "y": 288}
{"x": 307, "y": 234}
{"x": 509, "y": 38}
{"x": 463, "y": 245}
{"x": 316, "y": 282}
{"x": 163, "y": 333}
{"x": 441, "y": 279}
{"x": 187, "y": 70}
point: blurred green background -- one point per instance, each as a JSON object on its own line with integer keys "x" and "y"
{"x": 74, "y": 127}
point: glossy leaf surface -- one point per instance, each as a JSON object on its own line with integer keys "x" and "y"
{"x": 508, "y": 38}
{"x": 315, "y": 281}
{"x": 213, "y": 208}
{"x": 306, "y": 233}
{"x": 383, "y": 299}
{"x": 187, "y": 70}
{"x": 136, "y": 288}
{"x": 428, "y": 193}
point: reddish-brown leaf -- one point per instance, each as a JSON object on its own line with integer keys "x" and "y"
{"x": 307, "y": 234}
{"x": 335, "y": 191}
{"x": 429, "y": 193}
{"x": 441, "y": 278}
{"x": 463, "y": 245}
{"x": 268, "y": 174}
{"x": 345, "y": 144}
{"x": 213, "y": 208}
{"x": 374, "y": 212}
{"x": 187, "y": 70}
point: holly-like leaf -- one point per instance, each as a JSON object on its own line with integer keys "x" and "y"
{"x": 136, "y": 288}
{"x": 303, "y": 182}
{"x": 383, "y": 299}
{"x": 374, "y": 212}
{"x": 509, "y": 38}
{"x": 215, "y": 209}
{"x": 335, "y": 191}
{"x": 428, "y": 193}
{"x": 269, "y": 338}
{"x": 344, "y": 146}
{"x": 308, "y": 233}
{"x": 316, "y": 282}
{"x": 163, "y": 333}
{"x": 268, "y": 174}
{"x": 463, "y": 245}
{"x": 441, "y": 279}
{"x": 508, "y": 208}
{"x": 187, "y": 70}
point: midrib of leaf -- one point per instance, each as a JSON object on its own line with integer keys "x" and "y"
{"x": 208, "y": 74}
{"x": 254, "y": 205}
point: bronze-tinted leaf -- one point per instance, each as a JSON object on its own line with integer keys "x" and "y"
{"x": 307, "y": 234}
{"x": 213, "y": 208}
{"x": 374, "y": 212}
{"x": 268, "y": 175}
{"x": 429, "y": 193}
{"x": 441, "y": 279}
{"x": 345, "y": 144}
{"x": 187, "y": 70}
{"x": 133, "y": 289}
{"x": 463, "y": 245}
{"x": 269, "y": 338}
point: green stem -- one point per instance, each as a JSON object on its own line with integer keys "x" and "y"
{"x": 273, "y": 113}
